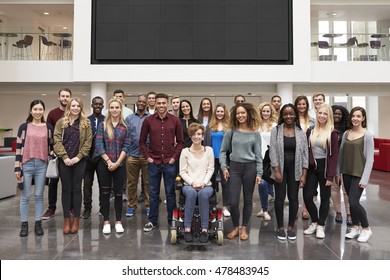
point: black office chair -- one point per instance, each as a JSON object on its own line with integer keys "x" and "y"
{"x": 21, "y": 47}
{"x": 45, "y": 53}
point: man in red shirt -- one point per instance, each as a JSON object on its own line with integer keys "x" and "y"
{"x": 166, "y": 141}
{"x": 54, "y": 115}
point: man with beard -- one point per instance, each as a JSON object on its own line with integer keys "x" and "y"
{"x": 135, "y": 161}
{"x": 54, "y": 115}
{"x": 92, "y": 162}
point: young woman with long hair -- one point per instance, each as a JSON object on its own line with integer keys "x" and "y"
{"x": 268, "y": 120}
{"x": 289, "y": 162}
{"x": 341, "y": 123}
{"x": 33, "y": 146}
{"x": 186, "y": 116}
{"x": 323, "y": 155}
{"x": 112, "y": 144}
{"x": 215, "y": 131}
{"x": 72, "y": 142}
{"x": 355, "y": 162}
{"x": 246, "y": 164}
{"x": 302, "y": 105}
{"x": 205, "y": 113}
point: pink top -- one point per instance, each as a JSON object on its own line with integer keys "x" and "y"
{"x": 35, "y": 145}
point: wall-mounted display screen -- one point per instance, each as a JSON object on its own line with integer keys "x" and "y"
{"x": 192, "y": 31}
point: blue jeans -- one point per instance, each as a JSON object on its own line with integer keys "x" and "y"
{"x": 155, "y": 171}
{"x": 264, "y": 191}
{"x": 34, "y": 168}
{"x": 203, "y": 200}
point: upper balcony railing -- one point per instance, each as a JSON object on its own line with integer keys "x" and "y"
{"x": 351, "y": 47}
{"x": 36, "y": 46}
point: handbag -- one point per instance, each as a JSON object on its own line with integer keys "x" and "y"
{"x": 52, "y": 168}
{"x": 267, "y": 172}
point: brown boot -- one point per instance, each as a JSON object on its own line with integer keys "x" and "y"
{"x": 66, "y": 225}
{"x": 75, "y": 225}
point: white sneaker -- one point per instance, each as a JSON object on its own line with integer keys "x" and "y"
{"x": 260, "y": 214}
{"x": 320, "y": 232}
{"x": 353, "y": 233}
{"x": 365, "y": 234}
{"x": 311, "y": 229}
{"x": 119, "y": 228}
{"x": 106, "y": 229}
{"x": 266, "y": 216}
{"x": 226, "y": 213}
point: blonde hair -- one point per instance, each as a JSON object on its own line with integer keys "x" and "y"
{"x": 225, "y": 121}
{"x": 273, "y": 118}
{"x": 325, "y": 136}
{"x": 108, "y": 127}
{"x": 84, "y": 122}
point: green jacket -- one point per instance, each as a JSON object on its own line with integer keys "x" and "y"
{"x": 85, "y": 140}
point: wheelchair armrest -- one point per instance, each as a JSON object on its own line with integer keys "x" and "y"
{"x": 178, "y": 183}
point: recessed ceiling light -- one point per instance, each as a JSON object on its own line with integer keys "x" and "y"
{"x": 44, "y": 94}
{"x": 64, "y": 27}
{"x": 334, "y": 14}
{"x": 46, "y": 13}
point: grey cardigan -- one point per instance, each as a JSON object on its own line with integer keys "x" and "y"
{"x": 368, "y": 152}
{"x": 276, "y": 151}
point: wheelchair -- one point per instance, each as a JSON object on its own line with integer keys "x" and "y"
{"x": 215, "y": 230}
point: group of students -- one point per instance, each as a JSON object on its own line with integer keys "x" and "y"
{"x": 215, "y": 147}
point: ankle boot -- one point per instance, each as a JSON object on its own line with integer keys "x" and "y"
{"x": 24, "y": 229}
{"x": 75, "y": 225}
{"x": 66, "y": 225}
{"x": 38, "y": 228}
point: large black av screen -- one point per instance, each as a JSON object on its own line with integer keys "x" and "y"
{"x": 192, "y": 31}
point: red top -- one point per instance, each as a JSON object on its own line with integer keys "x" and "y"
{"x": 165, "y": 138}
{"x": 54, "y": 115}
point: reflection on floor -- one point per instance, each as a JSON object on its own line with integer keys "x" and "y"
{"x": 91, "y": 244}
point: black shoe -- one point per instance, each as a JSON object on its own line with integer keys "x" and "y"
{"x": 188, "y": 237}
{"x": 291, "y": 234}
{"x": 38, "y": 228}
{"x": 87, "y": 214}
{"x": 24, "y": 229}
{"x": 281, "y": 234}
{"x": 141, "y": 198}
{"x": 203, "y": 237}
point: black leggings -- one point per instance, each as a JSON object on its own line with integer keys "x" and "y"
{"x": 107, "y": 180}
{"x": 354, "y": 191}
{"x": 315, "y": 178}
{"x": 292, "y": 187}
{"x": 241, "y": 175}
{"x": 225, "y": 185}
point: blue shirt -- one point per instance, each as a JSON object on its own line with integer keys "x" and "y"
{"x": 216, "y": 142}
{"x": 134, "y": 123}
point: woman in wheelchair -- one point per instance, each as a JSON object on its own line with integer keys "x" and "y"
{"x": 196, "y": 169}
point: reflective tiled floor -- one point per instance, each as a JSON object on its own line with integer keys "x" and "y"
{"x": 91, "y": 244}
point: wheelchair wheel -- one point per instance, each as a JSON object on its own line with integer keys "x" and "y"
{"x": 173, "y": 236}
{"x": 220, "y": 237}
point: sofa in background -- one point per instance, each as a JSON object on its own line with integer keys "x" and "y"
{"x": 382, "y": 154}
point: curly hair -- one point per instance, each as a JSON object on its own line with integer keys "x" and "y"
{"x": 296, "y": 120}
{"x": 343, "y": 125}
{"x": 194, "y": 127}
{"x": 252, "y": 119}
{"x": 84, "y": 122}
{"x": 273, "y": 117}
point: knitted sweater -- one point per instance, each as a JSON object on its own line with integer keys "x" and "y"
{"x": 20, "y": 141}
{"x": 276, "y": 151}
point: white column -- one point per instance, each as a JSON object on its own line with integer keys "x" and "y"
{"x": 372, "y": 110}
{"x": 285, "y": 91}
{"x": 99, "y": 89}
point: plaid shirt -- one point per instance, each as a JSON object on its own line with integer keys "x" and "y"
{"x": 113, "y": 147}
